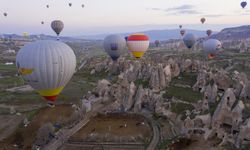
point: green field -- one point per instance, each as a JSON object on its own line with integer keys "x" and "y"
{"x": 144, "y": 83}
{"x": 9, "y": 82}
{"x": 7, "y": 70}
{"x": 185, "y": 79}
{"x": 79, "y": 85}
{"x": 185, "y": 94}
{"x": 180, "y": 108}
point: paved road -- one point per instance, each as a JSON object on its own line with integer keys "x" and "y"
{"x": 156, "y": 134}
{"x": 114, "y": 146}
{"x": 64, "y": 134}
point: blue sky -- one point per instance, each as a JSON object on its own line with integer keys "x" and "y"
{"x": 114, "y": 16}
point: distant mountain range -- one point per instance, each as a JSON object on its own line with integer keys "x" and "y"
{"x": 235, "y": 33}
{"x": 162, "y": 35}
{"x": 39, "y": 37}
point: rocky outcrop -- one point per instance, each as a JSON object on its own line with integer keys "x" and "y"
{"x": 210, "y": 93}
{"x": 201, "y": 82}
{"x": 222, "y": 113}
{"x": 222, "y": 80}
{"x": 244, "y": 134}
{"x": 245, "y": 92}
{"x": 138, "y": 99}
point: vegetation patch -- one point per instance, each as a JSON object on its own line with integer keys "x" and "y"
{"x": 7, "y": 70}
{"x": 185, "y": 79}
{"x": 9, "y": 82}
{"x": 31, "y": 114}
{"x": 143, "y": 82}
{"x": 185, "y": 94}
{"x": 180, "y": 108}
{"x": 19, "y": 98}
{"x": 212, "y": 107}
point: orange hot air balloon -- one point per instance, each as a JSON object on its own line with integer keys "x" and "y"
{"x": 211, "y": 56}
{"x": 138, "y": 44}
{"x": 203, "y": 20}
{"x": 182, "y": 32}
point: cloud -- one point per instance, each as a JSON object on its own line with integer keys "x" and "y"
{"x": 155, "y": 9}
{"x": 183, "y": 9}
{"x": 188, "y": 12}
{"x": 214, "y": 15}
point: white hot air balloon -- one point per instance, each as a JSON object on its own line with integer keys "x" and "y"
{"x": 47, "y": 66}
{"x": 189, "y": 40}
{"x": 211, "y": 47}
{"x": 114, "y": 45}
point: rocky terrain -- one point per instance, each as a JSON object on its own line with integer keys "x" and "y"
{"x": 137, "y": 86}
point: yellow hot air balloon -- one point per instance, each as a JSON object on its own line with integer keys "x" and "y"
{"x": 25, "y": 34}
{"x": 47, "y": 66}
{"x": 138, "y": 44}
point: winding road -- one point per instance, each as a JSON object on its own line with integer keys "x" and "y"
{"x": 64, "y": 134}
{"x": 156, "y": 133}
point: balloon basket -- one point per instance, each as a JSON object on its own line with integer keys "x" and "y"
{"x": 51, "y": 104}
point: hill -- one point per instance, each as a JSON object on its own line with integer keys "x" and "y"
{"x": 153, "y": 34}
{"x": 234, "y": 33}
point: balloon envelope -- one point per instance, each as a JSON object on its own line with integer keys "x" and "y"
{"x": 114, "y": 45}
{"x": 203, "y": 20}
{"x": 126, "y": 38}
{"x": 57, "y": 26}
{"x": 25, "y": 34}
{"x": 47, "y": 66}
{"x": 209, "y": 32}
{"x": 157, "y": 43}
{"x": 243, "y": 4}
{"x": 138, "y": 44}
{"x": 189, "y": 40}
{"x": 182, "y": 32}
{"x": 5, "y": 14}
{"x": 211, "y": 47}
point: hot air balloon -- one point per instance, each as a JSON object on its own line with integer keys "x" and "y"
{"x": 243, "y": 4}
{"x": 114, "y": 45}
{"x": 203, "y": 20}
{"x": 180, "y": 26}
{"x": 25, "y": 34}
{"x": 47, "y": 6}
{"x": 57, "y": 26}
{"x": 47, "y": 66}
{"x": 42, "y": 22}
{"x": 189, "y": 40}
{"x": 211, "y": 47}
{"x": 82, "y": 5}
{"x": 70, "y": 4}
{"x": 182, "y": 32}
{"x": 126, "y": 38}
{"x": 138, "y": 44}
{"x": 209, "y": 32}
{"x": 157, "y": 43}
{"x": 5, "y": 14}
